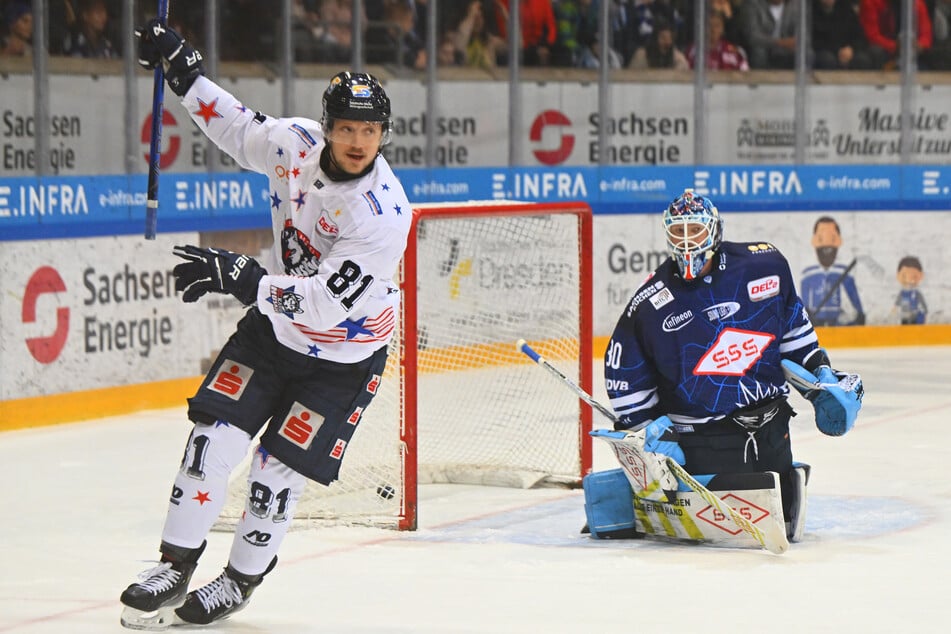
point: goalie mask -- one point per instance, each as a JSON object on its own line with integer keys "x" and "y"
{"x": 694, "y": 232}
{"x": 357, "y": 97}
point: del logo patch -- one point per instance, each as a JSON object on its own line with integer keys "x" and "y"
{"x": 733, "y": 353}
{"x": 763, "y": 288}
{"x": 325, "y": 225}
{"x": 300, "y": 425}
{"x": 231, "y": 379}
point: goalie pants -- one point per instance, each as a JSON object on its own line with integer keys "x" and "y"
{"x": 727, "y": 447}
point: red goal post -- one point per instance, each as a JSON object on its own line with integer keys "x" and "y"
{"x": 458, "y": 403}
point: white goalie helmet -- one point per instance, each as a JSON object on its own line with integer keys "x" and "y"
{"x": 694, "y": 232}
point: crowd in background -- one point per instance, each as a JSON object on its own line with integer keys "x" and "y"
{"x": 740, "y": 34}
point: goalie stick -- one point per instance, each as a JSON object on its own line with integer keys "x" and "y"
{"x": 773, "y": 538}
{"x": 155, "y": 149}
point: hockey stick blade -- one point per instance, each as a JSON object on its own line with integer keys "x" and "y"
{"x": 773, "y": 538}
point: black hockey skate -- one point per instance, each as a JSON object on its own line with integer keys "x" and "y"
{"x": 150, "y": 603}
{"x": 221, "y": 598}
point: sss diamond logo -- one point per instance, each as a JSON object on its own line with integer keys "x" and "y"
{"x": 733, "y": 353}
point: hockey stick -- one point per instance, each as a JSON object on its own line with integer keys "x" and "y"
{"x": 773, "y": 539}
{"x": 523, "y": 347}
{"x": 835, "y": 286}
{"x": 155, "y": 150}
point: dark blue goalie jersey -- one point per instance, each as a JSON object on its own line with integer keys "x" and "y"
{"x": 699, "y": 351}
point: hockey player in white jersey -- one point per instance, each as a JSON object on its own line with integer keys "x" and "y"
{"x": 308, "y": 356}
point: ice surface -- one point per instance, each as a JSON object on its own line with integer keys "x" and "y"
{"x": 86, "y": 502}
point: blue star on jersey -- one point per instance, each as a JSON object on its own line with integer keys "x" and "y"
{"x": 276, "y": 200}
{"x": 354, "y": 328}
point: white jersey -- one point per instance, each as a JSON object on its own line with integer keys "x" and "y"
{"x": 337, "y": 245}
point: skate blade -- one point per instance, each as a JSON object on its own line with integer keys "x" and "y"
{"x": 155, "y": 621}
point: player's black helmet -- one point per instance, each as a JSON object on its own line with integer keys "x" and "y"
{"x": 358, "y": 97}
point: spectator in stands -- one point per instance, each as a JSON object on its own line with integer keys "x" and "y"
{"x": 769, "y": 28}
{"x": 838, "y": 41}
{"x": 660, "y": 50}
{"x": 721, "y": 53}
{"x": 17, "y": 40}
{"x": 446, "y": 52}
{"x": 537, "y": 22}
{"x": 394, "y": 41}
{"x": 307, "y": 31}
{"x": 570, "y": 21}
{"x": 592, "y": 52}
{"x": 338, "y": 17}
{"x": 480, "y": 47}
{"x": 89, "y": 35}
{"x": 248, "y": 30}
{"x": 732, "y": 28}
{"x": 938, "y": 57}
{"x": 881, "y": 19}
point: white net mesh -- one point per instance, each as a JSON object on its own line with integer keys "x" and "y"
{"x": 485, "y": 413}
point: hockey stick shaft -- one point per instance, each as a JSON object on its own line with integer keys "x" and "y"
{"x": 155, "y": 143}
{"x": 523, "y": 347}
{"x": 775, "y": 542}
{"x": 835, "y": 286}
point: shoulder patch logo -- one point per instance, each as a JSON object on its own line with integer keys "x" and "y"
{"x": 286, "y": 301}
{"x": 761, "y": 247}
{"x": 763, "y": 288}
{"x": 662, "y": 298}
{"x": 375, "y": 208}
{"x": 325, "y": 225}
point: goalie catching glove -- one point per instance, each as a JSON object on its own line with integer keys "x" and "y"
{"x": 836, "y": 396}
{"x": 216, "y": 271}
{"x": 161, "y": 44}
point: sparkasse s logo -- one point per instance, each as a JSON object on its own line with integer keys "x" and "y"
{"x": 566, "y": 143}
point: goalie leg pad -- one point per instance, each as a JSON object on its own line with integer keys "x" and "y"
{"x": 608, "y": 504}
{"x": 796, "y": 523}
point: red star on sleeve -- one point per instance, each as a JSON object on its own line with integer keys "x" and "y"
{"x": 208, "y": 111}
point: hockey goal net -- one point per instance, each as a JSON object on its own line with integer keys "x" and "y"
{"x": 458, "y": 403}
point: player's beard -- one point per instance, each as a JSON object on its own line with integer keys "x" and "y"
{"x": 826, "y": 256}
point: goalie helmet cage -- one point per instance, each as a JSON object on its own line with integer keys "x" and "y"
{"x": 458, "y": 403}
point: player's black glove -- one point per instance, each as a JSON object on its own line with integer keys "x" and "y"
{"x": 181, "y": 62}
{"x": 216, "y": 271}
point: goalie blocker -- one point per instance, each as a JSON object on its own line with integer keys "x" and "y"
{"x": 614, "y": 512}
